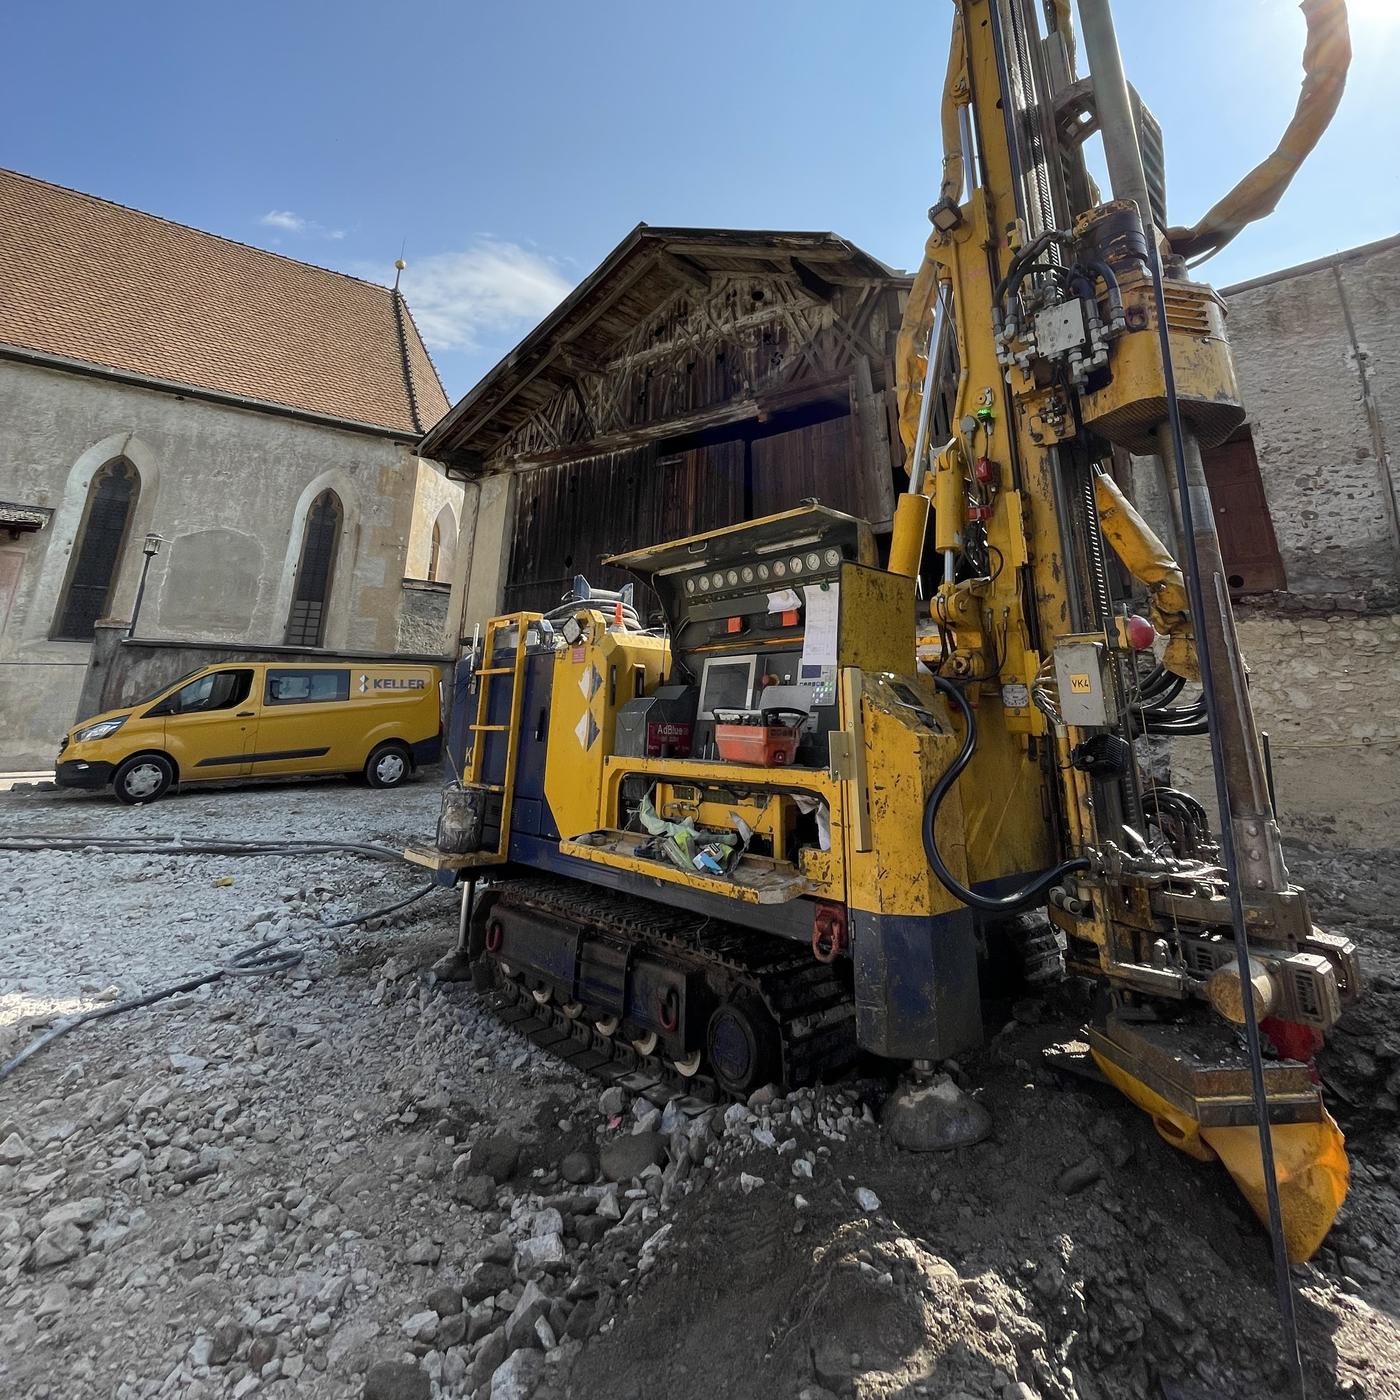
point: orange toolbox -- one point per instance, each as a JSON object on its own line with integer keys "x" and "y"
{"x": 747, "y": 736}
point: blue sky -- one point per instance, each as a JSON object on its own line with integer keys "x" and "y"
{"x": 507, "y": 147}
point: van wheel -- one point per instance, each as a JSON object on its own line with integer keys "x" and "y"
{"x": 387, "y": 767}
{"x": 143, "y": 778}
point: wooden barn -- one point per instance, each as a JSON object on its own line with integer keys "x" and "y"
{"x": 698, "y": 377}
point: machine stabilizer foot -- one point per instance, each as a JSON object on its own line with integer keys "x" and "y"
{"x": 933, "y": 1115}
{"x": 455, "y": 966}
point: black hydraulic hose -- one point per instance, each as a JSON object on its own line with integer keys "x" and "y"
{"x": 255, "y": 961}
{"x": 368, "y": 914}
{"x": 176, "y": 846}
{"x": 1027, "y": 895}
{"x": 258, "y": 960}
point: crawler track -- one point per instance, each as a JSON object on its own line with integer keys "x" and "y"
{"x": 808, "y": 1002}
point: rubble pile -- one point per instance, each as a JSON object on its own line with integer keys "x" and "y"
{"x": 352, "y": 1181}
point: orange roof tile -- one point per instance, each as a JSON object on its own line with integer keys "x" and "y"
{"x": 98, "y": 282}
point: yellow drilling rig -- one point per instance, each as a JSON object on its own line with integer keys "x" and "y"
{"x": 778, "y": 828}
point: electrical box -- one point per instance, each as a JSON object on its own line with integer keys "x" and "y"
{"x": 1086, "y": 697}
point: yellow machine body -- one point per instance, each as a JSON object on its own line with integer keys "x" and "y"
{"x": 769, "y": 756}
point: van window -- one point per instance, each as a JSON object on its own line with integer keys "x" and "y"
{"x": 216, "y": 690}
{"x": 306, "y": 687}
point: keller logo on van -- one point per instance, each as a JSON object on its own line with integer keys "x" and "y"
{"x": 391, "y": 683}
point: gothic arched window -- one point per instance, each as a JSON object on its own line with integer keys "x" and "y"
{"x": 97, "y": 555}
{"x": 311, "y": 591}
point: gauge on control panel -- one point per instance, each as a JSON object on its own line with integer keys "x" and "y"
{"x": 717, "y": 579}
{"x": 732, "y": 577}
{"x": 779, "y": 569}
{"x": 814, "y": 560}
{"x": 833, "y": 558}
{"x": 690, "y": 585}
{"x": 746, "y": 573}
{"x": 795, "y": 563}
{"x": 763, "y": 572}
{"x": 705, "y": 583}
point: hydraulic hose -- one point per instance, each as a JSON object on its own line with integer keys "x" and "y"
{"x": 1027, "y": 895}
{"x": 258, "y": 960}
{"x": 177, "y": 846}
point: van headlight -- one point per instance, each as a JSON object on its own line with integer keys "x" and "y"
{"x": 101, "y": 730}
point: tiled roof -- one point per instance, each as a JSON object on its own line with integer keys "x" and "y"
{"x": 101, "y": 283}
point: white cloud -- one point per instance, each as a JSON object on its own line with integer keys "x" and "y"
{"x": 492, "y": 286}
{"x": 290, "y": 222}
{"x": 283, "y": 219}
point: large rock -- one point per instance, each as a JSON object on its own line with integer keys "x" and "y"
{"x": 496, "y": 1156}
{"x": 397, "y": 1380}
{"x": 534, "y": 1256}
{"x": 485, "y": 1279}
{"x": 577, "y": 1168}
{"x": 520, "y": 1325}
{"x": 934, "y": 1117}
{"x": 490, "y": 1355}
{"x": 57, "y": 1246}
{"x": 14, "y": 1150}
{"x": 84, "y": 1212}
{"x": 517, "y": 1376}
{"x": 629, "y": 1156}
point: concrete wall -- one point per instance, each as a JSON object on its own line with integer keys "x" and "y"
{"x": 484, "y": 557}
{"x": 229, "y": 489}
{"x": 1324, "y": 691}
{"x": 1317, "y": 350}
{"x": 423, "y": 618}
{"x": 1318, "y": 356}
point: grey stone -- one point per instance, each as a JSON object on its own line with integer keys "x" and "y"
{"x": 934, "y": 1117}
{"x": 831, "y": 1363}
{"x": 520, "y": 1325}
{"x": 476, "y": 1189}
{"x": 479, "y": 1322}
{"x": 14, "y": 1150}
{"x": 84, "y": 1212}
{"x": 577, "y": 1168}
{"x": 421, "y": 1326}
{"x": 396, "y": 1380}
{"x": 613, "y": 1101}
{"x": 517, "y": 1376}
{"x": 1082, "y": 1174}
{"x": 224, "y": 1343}
{"x": 542, "y": 1252}
{"x": 58, "y": 1246}
{"x": 445, "y": 1301}
{"x": 496, "y": 1156}
{"x": 260, "y": 1351}
{"x": 452, "y": 1331}
{"x": 490, "y": 1355}
{"x": 500, "y": 1249}
{"x": 485, "y": 1279}
{"x": 866, "y": 1199}
{"x": 423, "y": 1251}
{"x": 629, "y": 1156}
{"x": 53, "y": 1302}
{"x": 546, "y": 1222}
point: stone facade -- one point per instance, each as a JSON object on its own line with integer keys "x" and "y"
{"x": 228, "y": 489}
{"x": 1317, "y": 349}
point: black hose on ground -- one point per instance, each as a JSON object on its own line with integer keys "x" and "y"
{"x": 177, "y": 846}
{"x": 258, "y": 960}
{"x": 255, "y": 961}
{"x": 1028, "y": 894}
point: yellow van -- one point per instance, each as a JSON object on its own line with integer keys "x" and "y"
{"x": 261, "y": 719}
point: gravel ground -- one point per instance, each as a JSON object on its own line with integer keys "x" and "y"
{"x": 348, "y": 1180}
